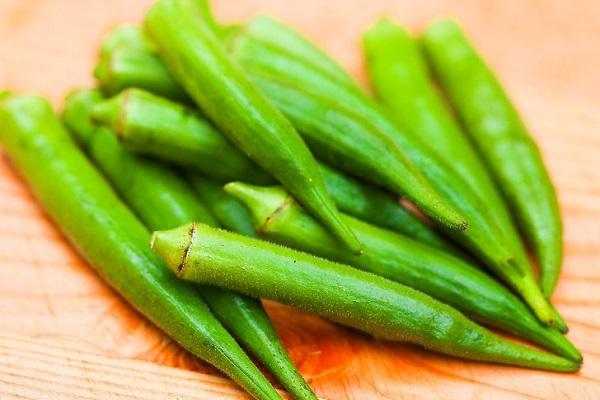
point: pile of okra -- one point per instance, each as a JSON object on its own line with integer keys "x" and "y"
{"x": 265, "y": 171}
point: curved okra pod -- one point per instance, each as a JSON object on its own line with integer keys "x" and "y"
{"x": 112, "y": 239}
{"x": 400, "y": 77}
{"x": 228, "y": 210}
{"x": 173, "y": 138}
{"x": 239, "y": 110}
{"x": 285, "y": 79}
{"x": 449, "y": 279}
{"x": 137, "y": 116}
{"x": 386, "y": 309}
{"x": 503, "y": 140}
{"x": 163, "y": 200}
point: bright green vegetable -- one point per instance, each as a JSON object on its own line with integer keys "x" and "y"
{"x": 343, "y": 294}
{"x": 305, "y": 95}
{"x": 178, "y": 136}
{"x": 228, "y": 210}
{"x": 503, "y": 140}
{"x": 126, "y": 36}
{"x": 164, "y": 200}
{"x": 142, "y": 120}
{"x": 451, "y": 280}
{"x": 400, "y": 76}
{"x": 111, "y": 238}
{"x": 239, "y": 110}
{"x": 273, "y": 33}
{"x": 125, "y": 68}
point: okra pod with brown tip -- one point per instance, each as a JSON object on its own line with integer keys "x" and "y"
{"x": 113, "y": 240}
{"x": 142, "y": 120}
{"x": 223, "y": 92}
{"x": 386, "y": 309}
{"x": 449, "y": 279}
{"x": 162, "y": 199}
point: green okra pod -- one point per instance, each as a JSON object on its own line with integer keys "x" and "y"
{"x": 173, "y": 138}
{"x": 338, "y": 292}
{"x": 238, "y": 109}
{"x": 113, "y": 240}
{"x": 273, "y": 33}
{"x": 502, "y": 138}
{"x": 126, "y": 67}
{"x": 228, "y": 210}
{"x": 286, "y": 79}
{"x": 400, "y": 78}
{"x": 142, "y": 120}
{"x": 449, "y": 279}
{"x": 126, "y": 36}
{"x": 163, "y": 200}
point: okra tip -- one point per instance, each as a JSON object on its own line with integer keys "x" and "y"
{"x": 441, "y": 29}
{"x": 108, "y": 112}
{"x": 173, "y": 245}
{"x": 263, "y": 202}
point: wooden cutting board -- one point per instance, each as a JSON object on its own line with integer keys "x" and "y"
{"x": 65, "y": 335}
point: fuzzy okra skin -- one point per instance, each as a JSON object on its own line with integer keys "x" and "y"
{"x": 338, "y": 292}
{"x": 285, "y": 80}
{"x": 502, "y": 138}
{"x": 138, "y": 117}
{"x": 113, "y": 240}
{"x": 172, "y": 136}
{"x": 449, "y": 279}
{"x": 164, "y": 200}
{"x": 239, "y": 110}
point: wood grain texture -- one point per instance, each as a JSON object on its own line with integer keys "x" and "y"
{"x": 64, "y": 334}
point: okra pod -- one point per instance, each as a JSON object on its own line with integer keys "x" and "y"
{"x": 126, "y": 36}
{"x": 238, "y": 109}
{"x": 400, "y": 78}
{"x": 173, "y": 135}
{"x": 273, "y": 33}
{"x": 126, "y": 67}
{"x": 449, "y": 279}
{"x": 386, "y": 309}
{"x": 498, "y": 131}
{"x": 284, "y": 80}
{"x": 113, "y": 240}
{"x": 142, "y": 119}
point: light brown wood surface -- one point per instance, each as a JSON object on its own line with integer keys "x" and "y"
{"x": 65, "y": 335}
